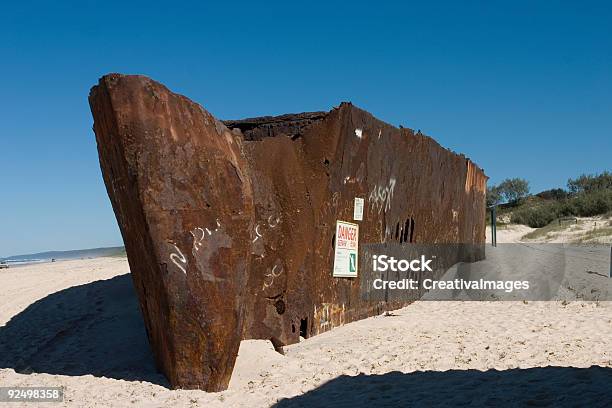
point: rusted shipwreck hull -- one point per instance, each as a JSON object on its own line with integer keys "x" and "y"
{"x": 229, "y": 226}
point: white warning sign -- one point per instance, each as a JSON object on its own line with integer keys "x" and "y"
{"x": 358, "y": 210}
{"x": 346, "y": 250}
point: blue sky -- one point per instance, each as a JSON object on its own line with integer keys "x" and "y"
{"x": 524, "y": 88}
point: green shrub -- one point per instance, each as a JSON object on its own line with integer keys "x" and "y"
{"x": 590, "y": 204}
{"x": 588, "y": 183}
{"x": 580, "y": 205}
{"x": 535, "y": 217}
{"x": 553, "y": 194}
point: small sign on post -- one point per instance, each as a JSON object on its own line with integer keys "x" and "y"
{"x": 346, "y": 250}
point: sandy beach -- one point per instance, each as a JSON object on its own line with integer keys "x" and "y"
{"x": 76, "y": 324}
{"x": 324, "y": 204}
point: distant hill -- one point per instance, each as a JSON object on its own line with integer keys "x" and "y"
{"x": 64, "y": 255}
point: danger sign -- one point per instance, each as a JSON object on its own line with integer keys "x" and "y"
{"x": 346, "y": 250}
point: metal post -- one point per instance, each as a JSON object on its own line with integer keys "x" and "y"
{"x": 493, "y": 227}
{"x": 495, "y": 224}
{"x": 491, "y": 217}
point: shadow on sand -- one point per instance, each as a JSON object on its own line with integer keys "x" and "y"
{"x": 97, "y": 329}
{"x": 92, "y": 329}
{"x": 532, "y": 387}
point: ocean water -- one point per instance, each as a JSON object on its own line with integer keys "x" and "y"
{"x": 21, "y": 262}
{"x": 28, "y": 259}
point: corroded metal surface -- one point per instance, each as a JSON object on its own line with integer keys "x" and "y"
{"x": 230, "y": 232}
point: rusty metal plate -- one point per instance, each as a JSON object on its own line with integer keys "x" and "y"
{"x": 229, "y": 226}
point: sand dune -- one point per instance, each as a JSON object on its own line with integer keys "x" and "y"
{"x": 510, "y": 233}
{"x": 579, "y": 230}
{"x": 76, "y": 324}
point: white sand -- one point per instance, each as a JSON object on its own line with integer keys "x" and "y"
{"x": 585, "y": 230}
{"x": 95, "y": 328}
{"x": 510, "y": 233}
{"x": 593, "y": 230}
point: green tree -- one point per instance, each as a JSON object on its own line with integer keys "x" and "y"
{"x": 493, "y": 196}
{"x": 587, "y": 183}
{"x": 513, "y": 190}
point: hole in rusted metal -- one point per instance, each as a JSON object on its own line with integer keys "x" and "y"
{"x": 396, "y": 230}
{"x": 280, "y": 307}
{"x": 304, "y": 328}
{"x": 407, "y": 231}
{"x": 334, "y": 242}
{"x": 411, "y": 229}
{"x": 292, "y": 328}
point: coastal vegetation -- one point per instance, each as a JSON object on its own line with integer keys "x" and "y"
{"x": 586, "y": 196}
